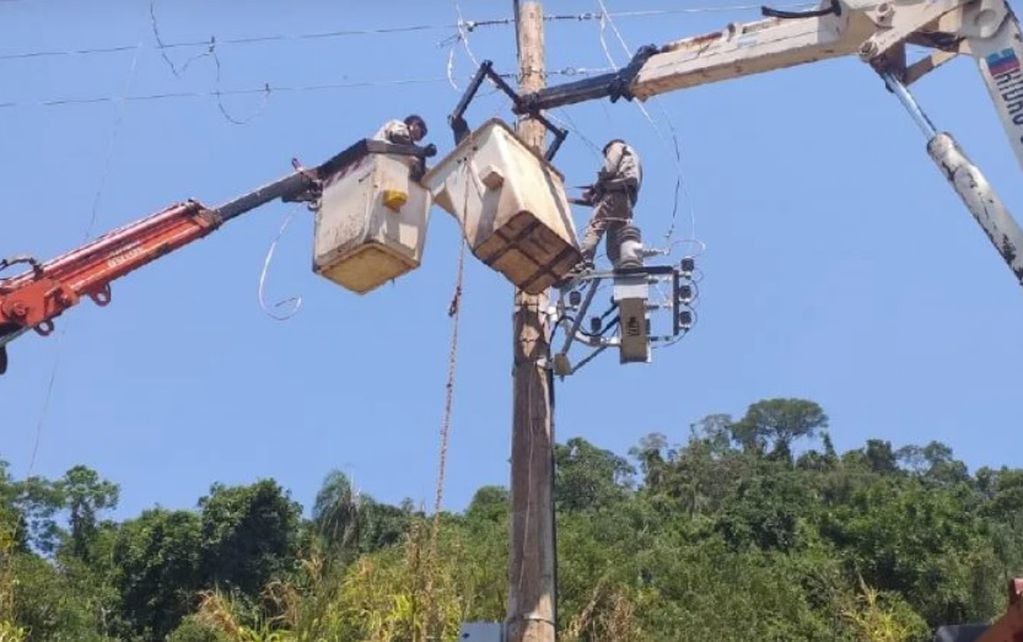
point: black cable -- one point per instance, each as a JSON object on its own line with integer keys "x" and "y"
{"x": 835, "y": 8}
{"x": 17, "y": 260}
{"x": 553, "y": 491}
{"x": 591, "y": 335}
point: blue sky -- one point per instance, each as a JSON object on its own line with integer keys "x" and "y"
{"x": 839, "y": 266}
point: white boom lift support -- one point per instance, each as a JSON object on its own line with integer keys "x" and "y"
{"x": 875, "y": 30}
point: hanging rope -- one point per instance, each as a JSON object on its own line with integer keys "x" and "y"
{"x": 295, "y": 301}
{"x": 454, "y": 312}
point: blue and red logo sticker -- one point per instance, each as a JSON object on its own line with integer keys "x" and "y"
{"x": 1002, "y": 62}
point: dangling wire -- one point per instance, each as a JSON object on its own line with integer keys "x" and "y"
{"x": 162, "y": 46}
{"x": 295, "y": 301}
{"x": 569, "y": 123}
{"x": 220, "y": 100}
{"x": 681, "y": 185}
{"x": 463, "y": 34}
{"x": 463, "y": 28}
{"x": 211, "y": 52}
{"x": 94, "y": 213}
{"x": 451, "y": 68}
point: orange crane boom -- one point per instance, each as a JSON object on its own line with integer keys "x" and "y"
{"x": 33, "y": 299}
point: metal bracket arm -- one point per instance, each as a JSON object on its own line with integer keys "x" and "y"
{"x": 613, "y": 85}
{"x": 294, "y": 186}
{"x": 486, "y": 71}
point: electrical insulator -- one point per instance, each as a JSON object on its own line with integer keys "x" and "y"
{"x": 596, "y": 325}
{"x": 685, "y": 318}
{"x": 575, "y": 297}
{"x": 688, "y": 265}
{"x": 685, "y": 293}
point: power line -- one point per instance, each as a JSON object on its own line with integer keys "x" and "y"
{"x": 461, "y": 25}
{"x": 680, "y": 179}
{"x": 163, "y": 47}
{"x": 246, "y": 40}
{"x": 104, "y": 176}
{"x": 265, "y": 90}
{"x": 111, "y": 143}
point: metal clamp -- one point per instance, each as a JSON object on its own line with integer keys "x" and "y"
{"x": 614, "y": 85}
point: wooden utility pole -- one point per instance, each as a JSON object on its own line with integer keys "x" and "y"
{"x": 531, "y": 590}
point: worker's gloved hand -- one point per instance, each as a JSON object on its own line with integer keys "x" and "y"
{"x": 431, "y": 150}
{"x": 592, "y": 194}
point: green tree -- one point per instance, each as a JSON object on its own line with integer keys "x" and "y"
{"x": 770, "y": 512}
{"x": 778, "y": 422}
{"x": 652, "y": 453}
{"x": 39, "y": 501}
{"x": 337, "y": 515}
{"x": 157, "y": 557}
{"x": 923, "y": 543}
{"x": 52, "y": 606}
{"x": 589, "y": 477}
{"x": 85, "y": 494}
{"x": 249, "y": 535}
{"x": 348, "y": 522}
{"x": 880, "y": 457}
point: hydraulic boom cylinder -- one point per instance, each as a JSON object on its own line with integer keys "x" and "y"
{"x": 968, "y": 181}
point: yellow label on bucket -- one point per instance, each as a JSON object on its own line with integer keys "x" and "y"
{"x": 394, "y": 198}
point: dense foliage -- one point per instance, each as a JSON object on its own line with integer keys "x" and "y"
{"x": 749, "y": 528}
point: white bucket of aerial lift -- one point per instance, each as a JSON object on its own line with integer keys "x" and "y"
{"x": 511, "y": 205}
{"x": 370, "y": 223}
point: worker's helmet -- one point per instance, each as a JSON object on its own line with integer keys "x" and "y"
{"x": 612, "y": 142}
{"x": 417, "y": 120}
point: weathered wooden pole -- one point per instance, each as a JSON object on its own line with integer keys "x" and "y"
{"x": 531, "y": 579}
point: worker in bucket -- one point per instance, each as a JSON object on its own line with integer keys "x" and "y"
{"x": 612, "y": 196}
{"x": 407, "y": 132}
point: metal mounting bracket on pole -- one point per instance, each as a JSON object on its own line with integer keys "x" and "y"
{"x": 614, "y": 85}
{"x": 486, "y": 71}
{"x": 621, "y": 325}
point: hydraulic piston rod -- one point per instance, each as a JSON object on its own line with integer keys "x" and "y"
{"x": 968, "y": 181}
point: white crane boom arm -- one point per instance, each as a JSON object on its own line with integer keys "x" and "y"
{"x": 999, "y": 54}
{"x": 878, "y": 31}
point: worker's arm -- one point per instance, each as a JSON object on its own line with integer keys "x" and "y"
{"x": 395, "y": 132}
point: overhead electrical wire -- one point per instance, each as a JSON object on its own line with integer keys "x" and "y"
{"x": 244, "y": 40}
{"x": 211, "y": 52}
{"x": 162, "y": 47}
{"x": 466, "y": 25}
{"x": 227, "y": 92}
{"x": 108, "y": 158}
{"x": 676, "y": 155}
{"x": 267, "y": 88}
{"x": 228, "y": 116}
{"x": 93, "y": 215}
